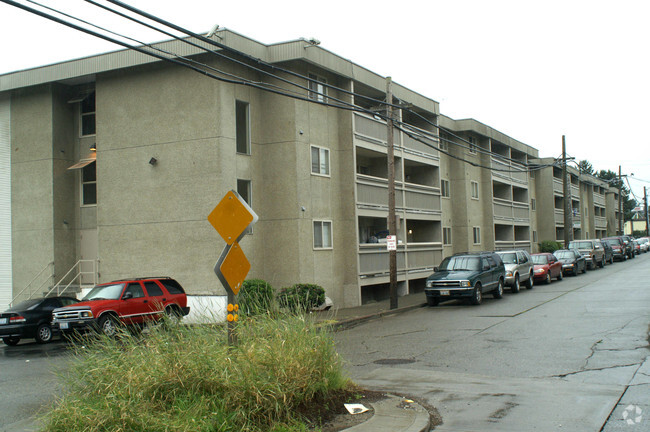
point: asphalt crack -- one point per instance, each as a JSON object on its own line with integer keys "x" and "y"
{"x": 564, "y": 375}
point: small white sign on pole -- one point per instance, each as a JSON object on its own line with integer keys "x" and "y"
{"x": 391, "y": 242}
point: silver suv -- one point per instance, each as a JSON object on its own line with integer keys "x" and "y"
{"x": 593, "y": 251}
{"x": 519, "y": 269}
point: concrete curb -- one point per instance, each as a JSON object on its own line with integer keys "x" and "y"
{"x": 353, "y": 322}
{"x": 395, "y": 414}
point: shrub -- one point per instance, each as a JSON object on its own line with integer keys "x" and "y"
{"x": 190, "y": 379}
{"x": 255, "y": 297}
{"x": 549, "y": 246}
{"x": 301, "y": 297}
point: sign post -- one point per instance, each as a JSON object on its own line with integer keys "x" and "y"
{"x": 232, "y": 217}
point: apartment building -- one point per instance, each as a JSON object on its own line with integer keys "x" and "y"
{"x": 117, "y": 159}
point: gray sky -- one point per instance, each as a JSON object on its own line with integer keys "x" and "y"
{"x": 533, "y": 70}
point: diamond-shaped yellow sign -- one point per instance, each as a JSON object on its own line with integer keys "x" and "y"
{"x": 235, "y": 267}
{"x": 231, "y": 217}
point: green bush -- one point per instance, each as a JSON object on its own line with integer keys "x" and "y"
{"x": 301, "y": 297}
{"x": 549, "y": 246}
{"x": 255, "y": 297}
{"x": 190, "y": 379}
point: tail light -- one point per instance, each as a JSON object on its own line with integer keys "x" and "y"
{"x": 17, "y": 319}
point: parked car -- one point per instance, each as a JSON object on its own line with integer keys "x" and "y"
{"x": 572, "y": 261}
{"x": 547, "y": 267}
{"x": 592, "y": 250}
{"x": 618, "y": 247}
{"x": 609, "y": 252}
{"x": 519, "y": 269}
{"x": 127, "y": 302}
{"x": 629, "y": 247}
{"x": 636, "y": 246}
{"x": 644, "y": 242}
{"x": 466, "y": 275}
{"x": 31, "y": 319}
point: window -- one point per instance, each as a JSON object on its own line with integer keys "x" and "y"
{"x": 89, "y": 185}
{"x": 477, "y": 235}
{"x": 172, "y": 286}
{"x": 443, "y": 145}
{"x": 533, "y": 204}
{"x": 320, "y": 161}
{"x": 135, "y": 289}
{"x": 322, "y": 235}
{"x": 242, "y": 125}
{"x": 474, "y": 190}
{"x": 317, "y": 90}
{"x": 534, "y": 236}
{"x": 153, "y": 289}
{"x": 444, "y": 188}
{"x": 244, "y": 189}
{"x": 472, "y": 145}
{"x": 446, "y": 235}
{"x": 88, "y": 115}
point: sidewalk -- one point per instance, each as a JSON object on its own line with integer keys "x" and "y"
{"x": 343, "y": 318}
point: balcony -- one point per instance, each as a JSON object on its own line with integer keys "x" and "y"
{"x": 600, "y": 222}
{"x": 599, "y": 200}
{"x": 510, "y": 170}
{"x": 411, "y": 258}
{"x": 511, "y": 211}
{"x": 372, "y": 193}
{"x": 511, "y": 245}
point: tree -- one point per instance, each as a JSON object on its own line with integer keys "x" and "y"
{"x": 628, "y": 203}
{"x": 586, "y": 167}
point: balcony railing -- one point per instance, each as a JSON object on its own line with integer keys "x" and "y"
{"x": 413, "y": 257}
{"x": 509, "y": 170}
{"x": 511, "y": 210}
{"x": 600, "y": 222}
{"x": 372, "y": 192}
{"x": 513, "y": 244}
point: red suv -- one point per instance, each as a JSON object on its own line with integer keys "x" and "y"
{"x": 124, "y": 302}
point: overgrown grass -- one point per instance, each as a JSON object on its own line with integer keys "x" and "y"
{"x": 189, "y": 379}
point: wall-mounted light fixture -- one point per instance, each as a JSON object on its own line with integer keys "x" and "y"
{"x": 93, "y": 147}
{"x": 153, "y": 161}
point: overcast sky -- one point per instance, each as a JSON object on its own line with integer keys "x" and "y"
{"x": 534, "y": 70}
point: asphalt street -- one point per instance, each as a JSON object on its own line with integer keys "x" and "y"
{"x": 569, "y": 356}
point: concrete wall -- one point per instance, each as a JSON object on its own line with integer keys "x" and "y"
{"x": 5, "y": 201}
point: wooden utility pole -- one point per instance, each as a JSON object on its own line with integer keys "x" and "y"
{"x": 645, "y": 210}
{"x": 620, "y": 203}
{"x": 568, "y": 207}
{"x": 392, "y": 229}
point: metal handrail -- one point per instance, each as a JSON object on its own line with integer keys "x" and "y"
{"x": 31, "y": 292}
{"x": 57, "y": 286}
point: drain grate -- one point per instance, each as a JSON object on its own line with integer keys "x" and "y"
{"x": 394, "y": 361}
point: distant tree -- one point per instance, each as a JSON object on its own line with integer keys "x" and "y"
{"x": 628, "y": 203}
{"x": 586, "y": 167}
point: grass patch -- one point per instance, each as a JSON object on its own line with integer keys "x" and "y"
{"x": 188, "y": 379}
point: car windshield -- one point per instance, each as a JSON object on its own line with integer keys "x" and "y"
{"x": 613, "y": 242}
{"x": 564, "y": 254}
{"x": 460, "y": 263}
{"x": 104, "y": 292}
{"x": 508, "y": 258}
{"x": 25, "y": 305}
{"x": 540, "y": 259}
{"x": 580, "y": 245}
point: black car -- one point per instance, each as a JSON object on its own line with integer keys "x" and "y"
{"x": 31, "y": 319}
{"x": 572, "y": 261}
{"x": 609, "y": 252}
{"x": 466, "y": 275}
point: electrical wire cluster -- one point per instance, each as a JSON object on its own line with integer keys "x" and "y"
{"x": 294, "y": 89}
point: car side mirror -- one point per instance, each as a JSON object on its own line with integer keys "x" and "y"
{"x": 486, "y": 267}
{"x": 127, "y": 296}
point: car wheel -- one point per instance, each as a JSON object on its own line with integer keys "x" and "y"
{"x": 433, "y": 301}
{"x": 108, "y": 325}
{"x": 11, "y": 341}
{"x": 602, "y": 263}
{"x": 43, "y": 334}
{"x": 548, "y": 278}
{"x": 477, "y": 297}
{"x": 584, "y": 269}
{"x": 611, "y": 259}
{"x": 530, "y": 283}
{"x": 560, "y": 276}
{"x": 515, "y": 286}
{"x": 499, "y": 291}
{"x": 173, "y": 316}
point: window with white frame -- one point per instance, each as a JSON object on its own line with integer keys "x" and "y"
{"x": 472, "y": 145}
{"x": 89, "y": 185}
{"x": 320, "y": 161}
{"x": 446, "y": 235}
{"x": 88, "y": 125}
{"x": 322, "y": 234}
{"x": 242, "y": 126}
{"x": 444, "y": 188}
{"x": 475, "y": 190}
{"x": 477, "y": 235}
{"x": 317, "y": 89}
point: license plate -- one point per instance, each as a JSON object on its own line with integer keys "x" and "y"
{"x": 444, "y": 292}
{"x": 3, "y": 320}
{"x": 63, "y": 325}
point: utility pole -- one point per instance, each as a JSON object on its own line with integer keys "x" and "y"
{"x": 645, "y": 210}
{"x": 568, "y": 207}
{"x": 392, "y": 229}
{"x": 620, "y": 203}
